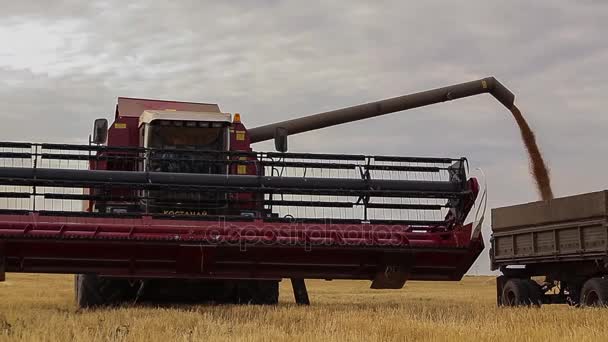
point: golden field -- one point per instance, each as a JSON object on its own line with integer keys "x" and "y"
{"x": 41, "y": 308}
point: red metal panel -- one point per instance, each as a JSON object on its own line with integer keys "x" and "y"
{"x": 124, "y": 132}
{"x": 225, "y": 232}
{"x": 127, "y": 259}
{"x": 239, "y": 141}
{"x": 147, "y": 247}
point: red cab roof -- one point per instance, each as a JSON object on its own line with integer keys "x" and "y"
{"x": 133, "y": 107}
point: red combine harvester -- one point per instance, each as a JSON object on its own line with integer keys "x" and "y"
{"x": 177, "y": 207}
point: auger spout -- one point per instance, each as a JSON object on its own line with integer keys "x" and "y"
{"x": 396, "y": 104}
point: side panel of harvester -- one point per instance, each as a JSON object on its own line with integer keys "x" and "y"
{"x": 564, "y": 240}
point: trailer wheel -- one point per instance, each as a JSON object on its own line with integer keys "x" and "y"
{"x": 516, "y": 292}
{"x": 265, "y": 292}
{"x": 94, "y": 291}
{"x": 595, "y": 293}
{"x": 535, "y": 294}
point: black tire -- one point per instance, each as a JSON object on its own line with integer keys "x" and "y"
{"x": 535, "y": 294}
{"x": 516, "y": 292}
{"x": 187, "y": 291}
{"x": 259, "y": 292}
{"x": 594, "y": 293}
{"x": 94, "y": 291}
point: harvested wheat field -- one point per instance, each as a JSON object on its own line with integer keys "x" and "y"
{"x": 41, "y": 308}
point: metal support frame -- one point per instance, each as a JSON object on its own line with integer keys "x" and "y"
{"x": 416, "y": 185}
{"x": 300, "y": 292}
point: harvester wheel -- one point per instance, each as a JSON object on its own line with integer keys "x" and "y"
{"x": 94, "y": 291}
{"x": 257, "y": 292}
{"x": 516, "y": 292}
{"x": 595, "y": 293}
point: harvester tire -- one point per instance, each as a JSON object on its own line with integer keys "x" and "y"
{"x": 594, "y": 293}
{"x": 516, "y": 292}
{"x": 257, "y": 292}
{"x": 94, "y": 291}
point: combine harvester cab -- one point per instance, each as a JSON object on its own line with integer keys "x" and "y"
{"x": 176, "y": 206}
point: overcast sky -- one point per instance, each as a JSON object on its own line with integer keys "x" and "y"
{"x": 63, "y": 65}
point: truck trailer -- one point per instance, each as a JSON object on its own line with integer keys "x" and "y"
{"x": 552, "y": 252}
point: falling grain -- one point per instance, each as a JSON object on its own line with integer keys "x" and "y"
{"x": 538, "y": 167}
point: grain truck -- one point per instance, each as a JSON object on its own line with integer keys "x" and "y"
{"x": 552, "y": 252}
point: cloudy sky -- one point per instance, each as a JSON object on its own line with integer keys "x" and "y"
{"x": 63, "y": 65}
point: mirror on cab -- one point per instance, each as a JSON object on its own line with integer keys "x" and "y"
{"x": 280, "y": 139}
{"x": 100, "y": 131}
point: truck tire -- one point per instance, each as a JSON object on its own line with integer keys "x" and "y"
{"x": 516, "y": 292}
{"x": 534, "y": 293}
{"x": 93, "y": 291}
{"x": 594, "y": 293}
{"x": 258, "y": 292}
